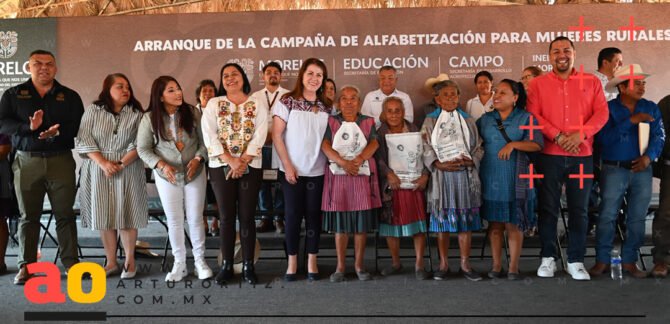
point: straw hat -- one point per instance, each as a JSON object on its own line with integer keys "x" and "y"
{"x": 432, "y": 81}
{"x": 144, "y": 249}
{"x": 624, "y": 74}
{"x": 237, "y": 257}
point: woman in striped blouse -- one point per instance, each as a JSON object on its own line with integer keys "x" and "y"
{"x": 112, "y": 193}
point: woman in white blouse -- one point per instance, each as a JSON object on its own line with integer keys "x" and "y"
{"x": 300, "y": 120}
{"x": 234, "y": 127}
{"x": 483, "y": 101}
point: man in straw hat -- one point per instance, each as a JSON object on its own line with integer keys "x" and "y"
{"x": 430, "y": 106}
{"x": 627, "y": 149}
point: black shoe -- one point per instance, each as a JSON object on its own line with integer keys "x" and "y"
{"x": 313, "y": 276}
{"x": 514, "y": 276}
{"x": 470, "y": 275}
{"x": 226, "y": 272}
{"x": 248, "y": 272}
{"x": 290, "y": 277}
{"x": 495, "y": 274}
{"x": 208, "y": 233}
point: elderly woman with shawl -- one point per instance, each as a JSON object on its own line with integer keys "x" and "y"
{"x": 452, "y": 151}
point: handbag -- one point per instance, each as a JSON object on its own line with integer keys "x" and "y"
{"x": 531, "y": 156}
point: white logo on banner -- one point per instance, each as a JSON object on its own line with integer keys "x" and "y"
{"x": 247, "y": 65}
{"x": 8, "y": 44}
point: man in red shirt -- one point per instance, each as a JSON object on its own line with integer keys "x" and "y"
{"x": 571, "y": 107}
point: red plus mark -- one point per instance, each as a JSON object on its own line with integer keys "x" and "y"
{"x": 631, "y": 77}
{"x": 581, "y": 127}
{"x": 631, "y": 29}
{"x": 532, "y": 176}
{"x": 531, "y": 127}
{"x": 581, "y": 176}
{"x": 581, "y": 28}
{"x": 581, "y": 77}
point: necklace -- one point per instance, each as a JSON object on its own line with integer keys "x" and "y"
{"x": 117, "y": 121}
{"x": 178, "y": 141}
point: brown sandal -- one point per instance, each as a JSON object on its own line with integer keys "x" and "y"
{"x": 660, "y": 270}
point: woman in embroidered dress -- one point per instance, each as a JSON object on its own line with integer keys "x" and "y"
{"x": 350, "y": 200}
{"x": 508, "y": 200}
{"x": 403, "y": 211}
{"x": 300, "y": 120}
{"x": 169, "y": 141}
{"x": 234, "y": 128}
{"x": 452, "y": 151}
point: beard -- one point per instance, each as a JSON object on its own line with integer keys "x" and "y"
{"x": 273, "y": 82}
{"x": 558, "y": 67}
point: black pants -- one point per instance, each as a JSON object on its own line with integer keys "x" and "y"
{"x": 237, "y": 197}
{"x": 302, "y": 199}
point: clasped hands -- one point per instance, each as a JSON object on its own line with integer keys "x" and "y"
{"x": 569, "y": 142}
{"x": 455, "y": 164}
{"x": 170, "y": 172}
{"x": 237, "y": 166}
{"x": 394, "y": 182}
{"x": 351, "y": 167}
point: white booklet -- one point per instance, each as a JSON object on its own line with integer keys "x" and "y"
{"x": 643, "y": 135}
{"x": 405, "y": 153}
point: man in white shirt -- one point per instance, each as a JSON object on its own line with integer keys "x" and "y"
{"x": 372, "y": 105}
{"x": 270, "y": 95}
{"x": 610, "y": 60}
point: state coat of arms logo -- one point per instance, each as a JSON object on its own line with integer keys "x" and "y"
{"x": 8, "y": 44}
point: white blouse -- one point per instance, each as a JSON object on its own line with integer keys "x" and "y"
{"x": 475, "y": 108}
{"x": 234, "y": 128}
{"x": 305, "y": 126}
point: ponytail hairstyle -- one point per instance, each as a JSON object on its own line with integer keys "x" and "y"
{"x": 519, "y": 90}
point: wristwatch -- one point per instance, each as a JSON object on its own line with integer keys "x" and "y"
{"x": 557, "y": 137}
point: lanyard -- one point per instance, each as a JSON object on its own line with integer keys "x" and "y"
{"x": 273, "y": 99}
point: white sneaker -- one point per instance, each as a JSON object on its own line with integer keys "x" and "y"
{"x": 202, "y": 270}
{"x": 178, "y": 272}
{"x": 578, "y": 271}
{"x": 547, "y": 268}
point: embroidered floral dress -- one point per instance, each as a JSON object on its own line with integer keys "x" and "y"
{"x": 234, "y": 128}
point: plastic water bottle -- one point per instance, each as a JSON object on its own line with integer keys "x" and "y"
{"x": 615, "y": 265}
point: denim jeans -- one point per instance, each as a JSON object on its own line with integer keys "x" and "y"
{"x": 557, "y": 170}
{"x": 618, "y": 183}
{"x": 265, "y": 195}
